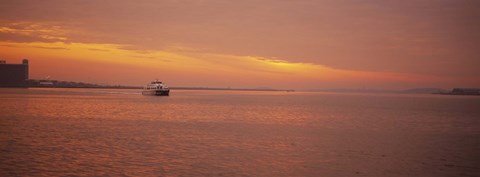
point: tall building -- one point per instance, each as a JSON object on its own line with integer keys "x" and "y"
{"x": 13, "y": 75}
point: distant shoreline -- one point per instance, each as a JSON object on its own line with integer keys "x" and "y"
{"x": 138, "y": 87}
{"x": 240, "y": 89}
{"x": 35, "y": 83}
{"x": 463, "y": 94}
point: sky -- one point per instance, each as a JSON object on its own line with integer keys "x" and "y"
{"x": 302, "y": 44}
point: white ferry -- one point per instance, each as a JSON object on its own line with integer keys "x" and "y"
{"x": 156, "y": 88}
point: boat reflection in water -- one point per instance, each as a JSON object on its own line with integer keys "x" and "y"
{"x": 156, "y": 88}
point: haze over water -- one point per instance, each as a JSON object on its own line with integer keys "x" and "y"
{"x": 93, "y": 132}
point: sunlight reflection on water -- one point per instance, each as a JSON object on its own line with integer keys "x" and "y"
{"x": 56, "y": 132}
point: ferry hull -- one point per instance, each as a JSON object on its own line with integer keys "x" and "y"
{"x": 156, "y": 92}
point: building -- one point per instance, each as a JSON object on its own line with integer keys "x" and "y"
{"x": 13, "y": 75}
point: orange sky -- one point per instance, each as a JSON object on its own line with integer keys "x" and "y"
{"x": 247, "y": 44}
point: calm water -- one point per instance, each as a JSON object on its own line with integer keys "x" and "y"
{"x": 85, "y": 132}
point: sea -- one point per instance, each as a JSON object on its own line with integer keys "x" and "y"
{"x": 119, "y": 132}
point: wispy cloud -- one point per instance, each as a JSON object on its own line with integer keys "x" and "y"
{"x": 40, "y": 31}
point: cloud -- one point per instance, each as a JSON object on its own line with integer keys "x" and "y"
{"x": 103, "y": 50}
{"x": 34, "y": 31}
{"x": 434, "y": 38}
{"x": 54, "y": 48}
{"x": 198, "y": 68}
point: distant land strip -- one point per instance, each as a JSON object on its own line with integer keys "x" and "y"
{"x": 32, "y": 83}
{"x": 69, "y": 84}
